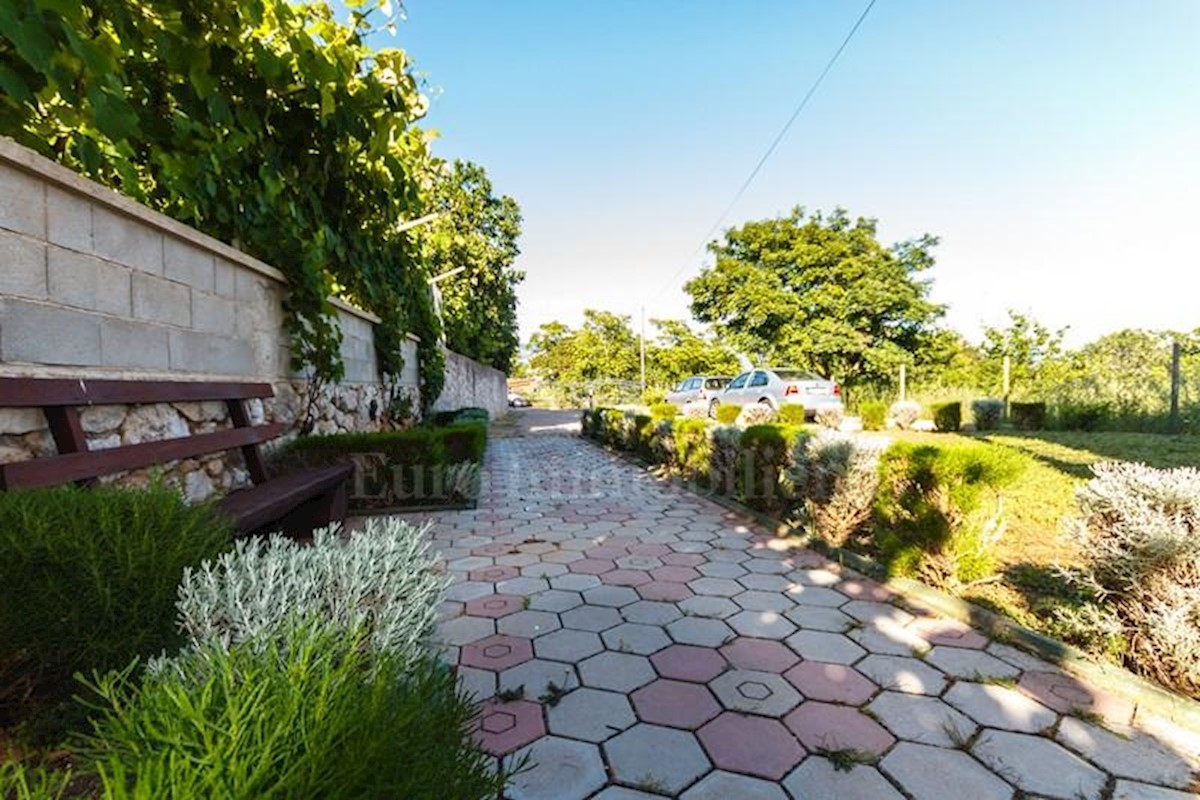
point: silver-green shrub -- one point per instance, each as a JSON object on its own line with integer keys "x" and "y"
{"x": 1139, "y": 531}
{"x": 830, "y": 417}
{"x": 755, "y": 414}
{"x": 725, "y": 444}
{"x": 382, "y": 580}
{"x": 904, "y": 413}
{"x": 840, "y": 479}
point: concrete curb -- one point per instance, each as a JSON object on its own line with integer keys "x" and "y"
{"x": 1148, "y": 697}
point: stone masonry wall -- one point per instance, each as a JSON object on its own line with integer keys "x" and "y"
{"x": 95, "y": 285}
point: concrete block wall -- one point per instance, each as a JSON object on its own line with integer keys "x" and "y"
{"x": 469, "y": 383}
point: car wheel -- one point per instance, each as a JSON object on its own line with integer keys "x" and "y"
{"x": 766, "y": 401}
{"x": 712, "y": 409}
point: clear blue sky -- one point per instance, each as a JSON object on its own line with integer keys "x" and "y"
{"x": 1054, "y": 146}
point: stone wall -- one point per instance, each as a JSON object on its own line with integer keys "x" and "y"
{"x": 469, "y": 383}
{"x": 95, "y": 285}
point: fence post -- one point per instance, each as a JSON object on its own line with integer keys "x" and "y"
{"x": 1176, "y": 354}
{"x": 903, "y": 382}
{"x": 1007, "y": 381}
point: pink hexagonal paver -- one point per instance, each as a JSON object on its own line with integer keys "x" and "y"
{"x": 821, "y": 726}
{"x": 592, "y": 566}
{"x": 674, "y": 574}
{"x": 949, "y": 632}
{"x": 683, "y": 559}
{"x": 1066, "y": 695}
{"x": 760, "y": 654}
{"x": 493, "y": 574}
{"x": 495, "y": 606}
{"x": 498, "y": 652}
{"x": 625, "y": 577}
{"x": 687, "y": 662}
{"x": 751, "y": 745}
{"x": 664, "y": 590}
{"x": 864, "y": 589}
{"x": 606, "y": 552}
{"x": 503, "y": 727}
{"x": 835, "y": 683}
{"x": 492, "y": 549}
{"x": 675, "y": 703}
{"x": 656, "y": 550}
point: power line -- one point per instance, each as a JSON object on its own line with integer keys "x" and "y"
{"x": 774, "y": 144}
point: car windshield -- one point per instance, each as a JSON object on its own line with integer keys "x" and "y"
{"x": 739, "y": 381}
{"x": 797, "y": 375}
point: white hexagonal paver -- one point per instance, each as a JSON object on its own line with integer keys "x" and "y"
{"x": 611, "y": 596}
{"x": 522, "y": 587}
{"x": 567, "y": 645}
{"x": 464, "y": 630}
{"x": 761, "y": 624}
{"x": 555, "y": 600}
{"x": 715, "y": 587}
{"x": 872, "y": 612}
{"x": 574, "y": 582}
{"x": 755, "y": 600}
{"x": 652, "y": 756}
{"x": 1000, "y": 707}
{"x": 926, "y": 720}
{"x": 625, "y": 793}
{"x": 1039, "y": 765}
{"x": 630, "y": 637}
{"x": 755, "y": 692}
{"x": 902, "y": 674}
{"x": 591, "y": 618}
{"x": 720, "y": 785}
{"x": 619, "y": 672}
{"x": 707, "y": 606}
{"x": 832, "y": 648}
{"x": 933, "y": 773}
{"x": 970, "y": 664}
{"x": 700, "y": 631}
{"x": 528, "y": 624}
{"x": 536, "y": 677}
{"x": 480, "y": 684}
{"x": 817, "y": 779}
{"x": 766, "y": 583}
{"x": 469, "y": 590}
{"x": 1131, "y": 790}
{"x": 651, "y": 612}
{"x": 591, "y": 715}
{"x": 815, "y": 596}
{"x": 559, "y": 768}
{"x": 820, "y": 618}
{"x": 1130, "y": 754}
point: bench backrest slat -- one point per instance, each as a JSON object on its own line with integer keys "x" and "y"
{"x": 55, "y": 470}
{"x": 57, "y": 392}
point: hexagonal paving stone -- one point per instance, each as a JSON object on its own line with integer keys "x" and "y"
{"x": 651, "y": 755}
{"x": 591, "y": 618}
{"x": 624, "y": 793}
{"x": 479, "y": 684}
{"x": 651, "y": 612}
{"x": 816, "y": 577}
{"x": 889, "y": 638}
{"x": 644, "y": 563}
{"x": 498, "y": 652}
{"x": 755, "y": 692}
{"x": 834, "y": 683}
{"x": 518, "y": 560}
{"x": 816, "y": 596}
{"x": 620, "y": 672}
{"x": 523, "y": 586}
{"x": 591, "y": 715}
{"x": 1039, "y": 765}
{"x": 753, "y": 600}
{"x": 558, "y": 768}
{"x": 751, "y": 745}
{"x": 536, "y": 677}
{"x": 574, "y": 583}
{"x": 1131, "y": 790}
{"x": 568, "y": 645}
{"x": 555, "y": 600}
{"x": 674, "y": 574}
{"x": 871, "y": 612}
{"x": 469, "y": 590}
{"x": 715, "y": 587}
{"x": 675, "y": 703}
{"x": 503, "y": 727}
{"x": 821, "y": 726}
{"x": 611, "y": 596}
{"x": 687, "y": 662}
{"x": 727, "y": 785}
{"x": 469, "y": 563}
{"x": 1129, "y": 753}
{"x": 493, "y": 549}
{"x": 926, "y": 720}
{"x": 1000, "y": 707}
{"x": 495, "y": 605}
{"x": 864, "y": 589}
{"x": 928, "y": 773}
{"x": 766, "y": 566}
{"x": 949, "y": 632}
{"x": 971, "y": 664}
{"x": 700, "y": 631}
{"x": 766, "y": 583}
{"x": 682, "y": 559}
{"x": 897, "y": 673}
{"x": 1066, "y": 695}
{"x": 820, "y": 618}
{"x": 666, "y": 591}
{"x": 833, "y": 648}
{"x": 630, "y": 637}
{"x": 463, "y": 630}
{"x": 763, "y": 624}
{"x": 494, "y": 574}
{"x": 543, "y": 570}
{"x": 713, "y": 607}
{"x": 591, "y": 566}
{"x": 529, "y": 624}
{"x": 760, "y": 654}
{"x": 818, "y": 779}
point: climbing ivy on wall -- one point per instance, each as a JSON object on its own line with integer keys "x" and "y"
{"x": 264, "y": 123}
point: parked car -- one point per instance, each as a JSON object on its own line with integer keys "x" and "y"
{"x": 517, "y": 401}
{"x": 698, "y": 388}
{"x": 778, "y": 386}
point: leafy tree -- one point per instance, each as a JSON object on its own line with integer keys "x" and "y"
{"x": 478, "y": 231}
{"x": 603, "y": 349}
{"x": 1036, "y": 356}
{"x": 820, "y": 292}
{"x": 679, "y": 351}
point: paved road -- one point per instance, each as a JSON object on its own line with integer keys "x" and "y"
{"x": 649, "y": 643}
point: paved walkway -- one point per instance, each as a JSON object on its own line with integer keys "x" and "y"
{"x": 637, "y": 641}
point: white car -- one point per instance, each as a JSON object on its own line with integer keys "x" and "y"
{"x": 780, "y": 386}
{"x": 517, "y": 401}
{"x": 698, "y": 388}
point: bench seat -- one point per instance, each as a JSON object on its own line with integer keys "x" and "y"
{"x": 256, "y": 507}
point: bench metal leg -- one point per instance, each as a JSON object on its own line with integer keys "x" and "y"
{"x": 318, "y": 512}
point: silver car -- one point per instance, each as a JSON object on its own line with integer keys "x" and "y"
{"x": 697, "y": 388}
{"x": 779, "y": 386}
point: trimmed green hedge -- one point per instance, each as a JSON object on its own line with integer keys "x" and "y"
{"x": 89, "y": 580}
{"x": 728, "y": 414}
{"x": 874, "y": 415}
{"x": 1028, "y": 416}
{"x": 947, "y": 417}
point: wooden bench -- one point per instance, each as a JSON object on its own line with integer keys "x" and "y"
{"x": 295, "y": 503}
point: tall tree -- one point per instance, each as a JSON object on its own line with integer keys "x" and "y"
{"x": 1035, "y": 353}
{"x": 819, "y": 292}
{"x": 678, "y": 351}
{"x": 478, "y": 231}
{"x": 604, "y": 348}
